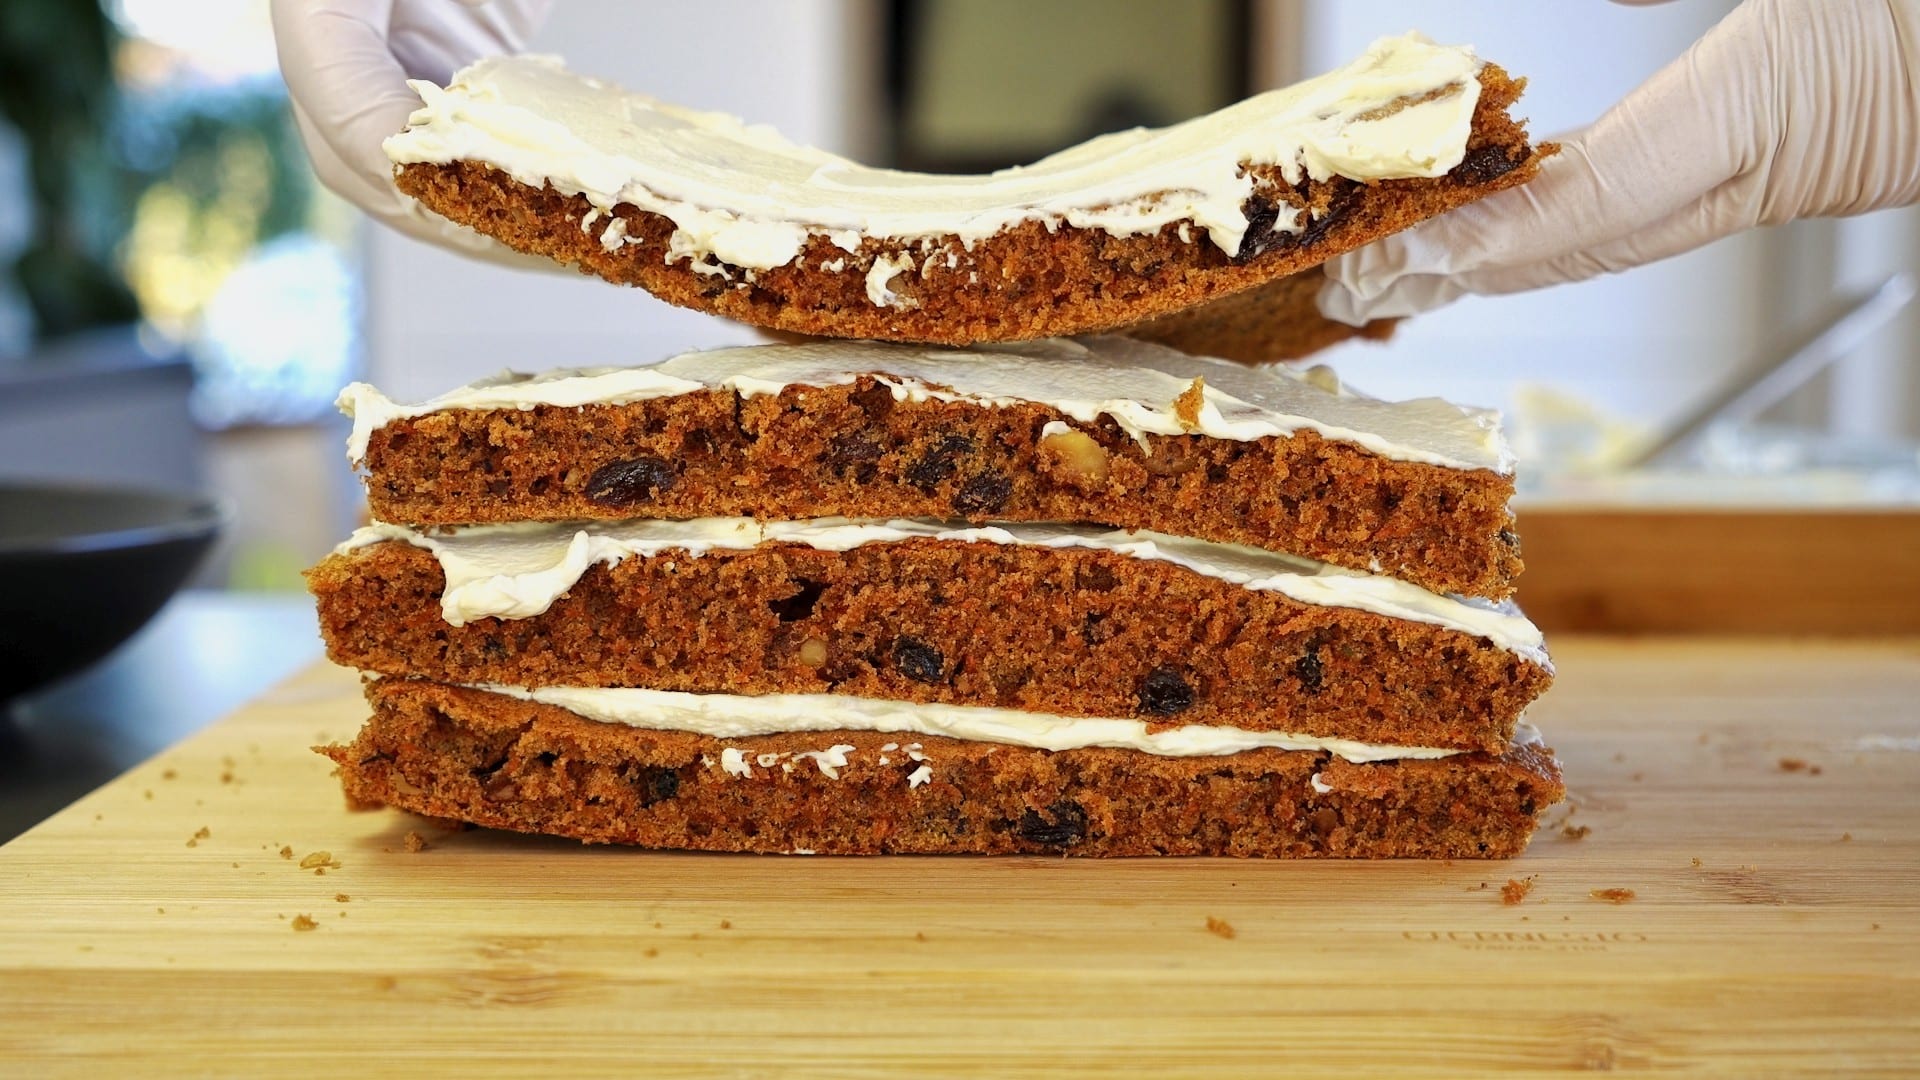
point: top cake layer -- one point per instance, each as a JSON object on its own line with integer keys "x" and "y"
{"x": 1105, "y": 430}
{"x": 745, "y": 196}
{"x": 710, "y": 212}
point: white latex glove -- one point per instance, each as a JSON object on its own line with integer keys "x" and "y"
{"x": 1786, "y": 109}
{"x": 346, "y": 63}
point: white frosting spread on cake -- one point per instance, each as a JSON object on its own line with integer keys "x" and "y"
{"x": 735, "y": 716}
{"x": 518, "y": 570}
{"x": 741, "y": 194}
{"x": 1133, "y": 382}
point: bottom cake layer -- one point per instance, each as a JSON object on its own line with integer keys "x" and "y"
{"x": 505, "y": 763}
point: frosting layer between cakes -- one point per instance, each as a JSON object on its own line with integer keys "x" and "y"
{"x": 744, "y": 195}
{"x": 732, "y": 716}
{"x": 1133, "y": 382}
{"x": 519, "y": 570}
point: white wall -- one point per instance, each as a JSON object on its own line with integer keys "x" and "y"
{"x": 435, "y": 320}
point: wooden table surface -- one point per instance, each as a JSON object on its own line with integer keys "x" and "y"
{"x": 1761, "y": 799}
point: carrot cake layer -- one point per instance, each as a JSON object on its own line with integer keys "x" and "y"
{"x": 1060, "y": 619}
{"x": 711, "y": 213}
{"x": 1102, "y": 429}
{"x": 511, "y": 763}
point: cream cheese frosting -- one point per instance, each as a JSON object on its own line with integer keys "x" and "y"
{"x": 743, "y": 195}
{"x": 518, "y": 570}
{"x": 736, "y": 716}
{"x": 1134, "y": 383}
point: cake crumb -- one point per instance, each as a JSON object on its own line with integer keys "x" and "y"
{"x": 147, "y": 794}
{"x": 1792, "y": 764}
{"x": 168, "y": 774}
{"x": 1813, "y": 770}
{"x": 726, "y": 924}
{"x": 1846, "y": 837}
{"x": 653, "y": 952}
{"x": 319, "y": 862}
{"x": 202, "y": 833}
{"x": 1575, "y": 832}
{"x": 415, "y": 842}
{"x": 920, "y": 935}
{"x": 1186, "y": 407}
{"x": 286, "y": 851}
{"x": 305, "y": 922}
{"x": 1613, "y": 896}
{"x": 1516, "y": 889}
{"x": 1220, "y": 928}
{"x": 226, "y": 778}
{"x": 1697, "y": 864}
{"x": 341, "y": 898}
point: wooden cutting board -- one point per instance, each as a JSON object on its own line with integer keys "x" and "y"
{"x": 1762, "y": 800}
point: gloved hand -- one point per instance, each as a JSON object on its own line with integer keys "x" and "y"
{"x": 1786, "y": 109}
{"x": 346, "y": 63}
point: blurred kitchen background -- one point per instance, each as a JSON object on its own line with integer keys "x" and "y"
{"x": 179, "y": 300}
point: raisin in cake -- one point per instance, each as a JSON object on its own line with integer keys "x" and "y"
{"x": 744, "y": 650}
{"x": 711, "y": 213}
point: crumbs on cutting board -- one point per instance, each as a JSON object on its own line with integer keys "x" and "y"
{"x": 202, "y": 834}
{"x": 1516, "y": 889}
{"x": 1794, "y": 764}
{"x": 1575, "y": 832}
{"x": 305, "y": 922}
{"x": 415, "y": 842}
{"x": 319, "y": 862}
{"x": 1221, "y": 928}
{"x": 1613, "y": 896}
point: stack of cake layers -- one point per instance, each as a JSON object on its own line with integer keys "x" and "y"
{"x": 1089, "y": 596}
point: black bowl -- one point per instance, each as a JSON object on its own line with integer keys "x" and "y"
{"x": 82, "y": 568}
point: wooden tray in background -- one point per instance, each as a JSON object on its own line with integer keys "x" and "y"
{"x": 1849, "y": 573}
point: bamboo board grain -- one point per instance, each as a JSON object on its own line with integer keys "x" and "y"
{"x": 1792, "y": 945}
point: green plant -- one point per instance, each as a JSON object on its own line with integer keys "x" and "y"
{"x": 57, "y": 89}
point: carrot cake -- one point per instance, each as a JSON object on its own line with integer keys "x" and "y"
{"x": 1102, "y": 429}
{"x": 1057, "y": 619}
{"x": 840, "y": 776}
{"x": 708, "y": 212}
{"x": 711, "y": 657}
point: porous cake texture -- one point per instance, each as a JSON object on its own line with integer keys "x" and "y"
{"x": 1069, "y": 631}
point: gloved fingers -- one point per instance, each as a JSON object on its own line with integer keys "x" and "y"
{"x": 1723, "y": 211}
{"x": 1569, "y": 207}
{"x": 430, "y": 44}
{"x": 372, "y": 191}
{"x": 1727, "y": 209}
{"x": 341, "y": 76}
{"x": 1697, "y": 123}
{"x": 376, "y": 195}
